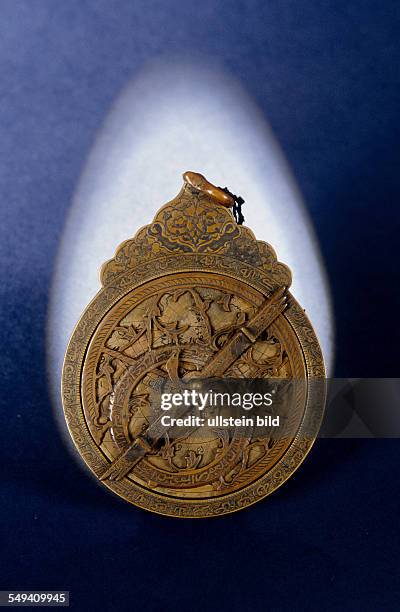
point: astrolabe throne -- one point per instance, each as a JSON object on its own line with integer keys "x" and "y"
{"x": 193, "y": 296}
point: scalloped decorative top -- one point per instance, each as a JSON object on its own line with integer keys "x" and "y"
{"x": 193, "y": 224}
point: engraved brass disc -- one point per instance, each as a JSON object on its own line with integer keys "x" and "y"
{"x": 184, "y": 285}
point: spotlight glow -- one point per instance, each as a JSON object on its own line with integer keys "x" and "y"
{"x": 172, "y": 118}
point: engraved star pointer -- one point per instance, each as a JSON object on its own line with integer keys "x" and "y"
{"x": 218, "y": 364}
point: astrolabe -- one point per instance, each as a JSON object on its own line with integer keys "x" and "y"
{"x": 192, "y": 296}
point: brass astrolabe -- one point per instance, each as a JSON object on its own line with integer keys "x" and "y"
{"x": 191, "y": 295}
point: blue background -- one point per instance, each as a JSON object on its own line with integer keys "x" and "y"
{"x": 329, "y": 71}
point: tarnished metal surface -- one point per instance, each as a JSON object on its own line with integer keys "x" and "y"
{"x": 192, "y": 295}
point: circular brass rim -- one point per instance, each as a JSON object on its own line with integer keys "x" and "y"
{"x": 105, "y": 300}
